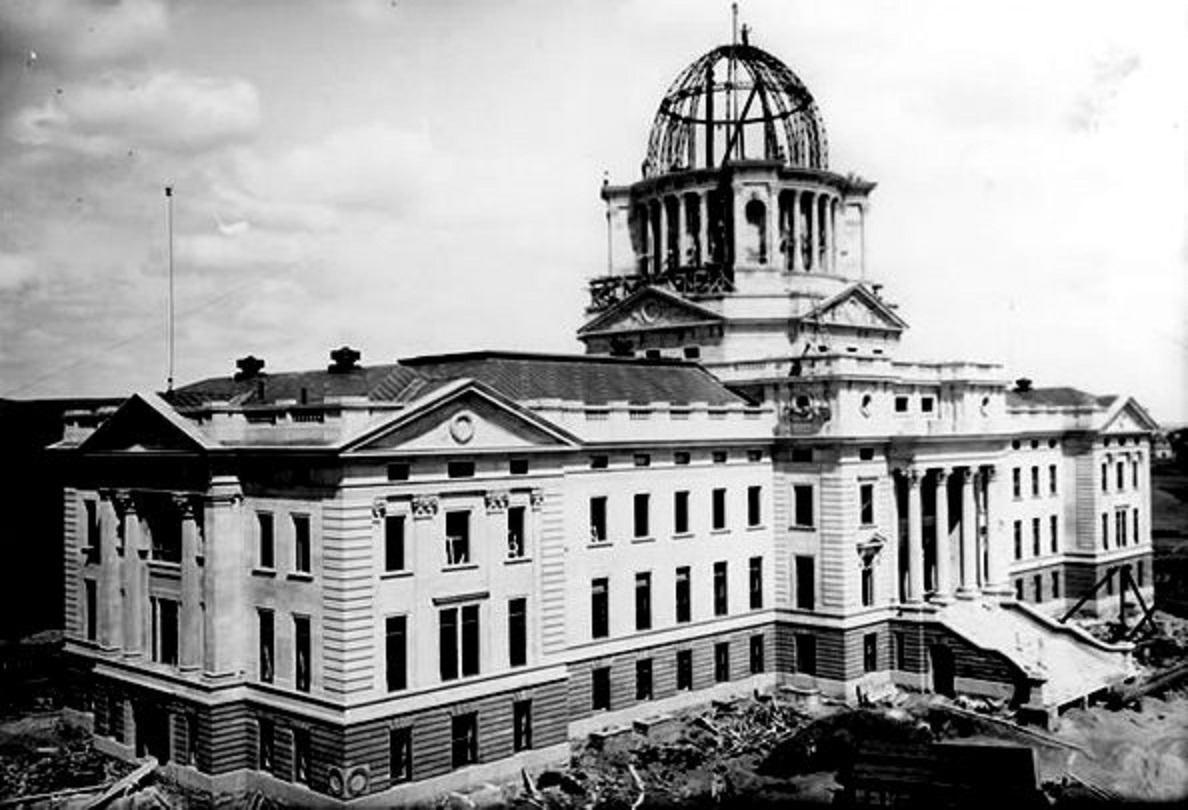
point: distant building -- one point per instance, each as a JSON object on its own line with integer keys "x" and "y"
{"x": 392, "y": 580}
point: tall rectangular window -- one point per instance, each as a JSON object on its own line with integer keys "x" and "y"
{"x": 867, "y": 585}
{"x": 1137, "y": 535}
{"x": 1019, "y": 590}
{"x": 1017, "y": 482}
{"x": 1035, "y": 537}
{"x": 516, "y": 545}
{"x": 464, "y": 739}
{"x": 400, "y": 754}
{"x": 806, "y": 598}
{"x": 600, "y": 688}
{"x": 266, "y": 750}
{"x": 1119, "y": 528}
{"x": 1035, "y": 481}
{"x": 447, "y": 623}
{"x": 1052, "y": 487}
{"x": 802, "y": 497}
{"x": 267, "y": 649}
{"x": 684, "y": 669}
{"x": 1055, "y": 584}
{"x": 806, "y": 653}
{"x": 1037, "y": 587}
{"x": 899, "y": 651}
{"x": 640, "y": 523}
{"x": 755, "y": 580}
{"x": 754, "y": 509}
{"x": 92, "y": 609}
{"x": 721, "y": 602}
{"x": 1105, "y": 477}
{"x": 517, "y": 631}
{"x": 680, "y": 512}
{"x": 718, "y": 507}
{"x": 266, "y": 538}
{"x": 394, "y": 543}
{"x": 757, "y": 654}
{"x": 643, "y": 679}
{"x": 521, "y": 725}
{"x": 301, "y": 756}
{"x": 866, "y": 509}
{"x": 684, "y": 608}
{"x": 470, "y": 640}
{"x": 91, "y": 508}
{"x": 598, "y": 519}
{"x": 457, "y": 527}
{"x": 167, "y": 630}
{"x": 1018, "y": 539}
{"x": 643, "y": 601}
{"x": 301, "y": 553}
{"x": 722, "y": 661}
{"x": 1121, "y": 475}
{"x": 301, "y": 675}
{"x": 870, "y": 652}
{"x": 599, "y": 608}
{"x": 1054, "y": 533}
{"x": 1105, "y": 530}
{"x": 396, "y": 652}
{"x": 1134, "y": 478}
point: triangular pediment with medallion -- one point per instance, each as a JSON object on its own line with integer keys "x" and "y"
{"x": 1127, "y": 416}
{"x": 856, "y": 307}
{"x": 650, "y": 308}
{"x": 145, "y": 423}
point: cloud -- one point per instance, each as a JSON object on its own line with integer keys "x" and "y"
{"x": 15, "y": 269}
{"x": 68, "y": 32}
{"x": 168, "y": 111}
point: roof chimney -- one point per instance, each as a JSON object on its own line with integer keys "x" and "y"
{"x": 249, "y": 368}
{"x": 1022, "y": 385}
{"x": 345, "y": 360}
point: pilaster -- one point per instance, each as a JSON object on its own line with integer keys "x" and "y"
{"x": 191, "y": 631}
{"x": 110, "y": 618}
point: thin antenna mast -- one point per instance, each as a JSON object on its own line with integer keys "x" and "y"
{"x": 169, "y": 225}
{"x": 609, "y": 244}
{"x": 732, "y": 103}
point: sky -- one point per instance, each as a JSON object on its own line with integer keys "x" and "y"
{"x": 422, "y": 176}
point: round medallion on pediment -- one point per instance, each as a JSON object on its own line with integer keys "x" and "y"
{"x": 462, "y": 428}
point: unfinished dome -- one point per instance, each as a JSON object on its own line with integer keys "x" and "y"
{"x": 737, "y": 102}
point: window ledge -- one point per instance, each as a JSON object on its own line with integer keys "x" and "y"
{"x": 264, "y": 572}
{"x": 802, "y": 528}
{"x": 164, "y": 565}
{"x": 471, "y": 566}
{"x": 719, "y": 531}
{"x": 682, "y": 535}
{"x": 403, "y": 573}
{"x": 600, "y": 544}
{"x": 643, "y": 539}
{"x": 517, "y": 560}
{"x": 868, "y": 526}
{"x": 758, "y": 527}
{"x": 300, "y": 576}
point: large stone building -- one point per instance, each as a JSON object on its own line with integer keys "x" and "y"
{"x": 375, "y": 582}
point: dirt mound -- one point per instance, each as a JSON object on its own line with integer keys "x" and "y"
{"x": 828, "y": 743}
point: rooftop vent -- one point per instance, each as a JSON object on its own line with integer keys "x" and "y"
{"x": 345, "y": 360}
{"x": 249, "y": 367}
{"x": 1022, "y": 385}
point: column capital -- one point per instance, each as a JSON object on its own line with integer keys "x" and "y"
{"x": 184, "y": 503}
{"x": 124, "y": 501}
{"x": 379, "y": 509}
{"x": 990, "y": 471}
{"x": 536, "y": 498}
{"x": 964, "y": 475}
{"x": 496, "y": 500}
{"x": 424, "y": 507}
{"x": 941, "y": 474}
{"x": 910, "y": 473}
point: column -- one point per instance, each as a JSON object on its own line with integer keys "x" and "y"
{"x": 834, "y": 207}
{"x": 110, "y": 618}
{"x": 915, "y": 521}
{"x": 827, "y": 213}
{"x": 190, "y": 631}
{"x": 135, "y": 583}
{"x": 702, "y": 229}
{"x": 996, "y": 582}
{"x": 819, "y": 235}
{"x": 775, "y": 259}
{"x": 969, "y": 535}
{"x": 794, "y": 233}
{"x": 229, "y": 644}
{"x": 944, "y": 586}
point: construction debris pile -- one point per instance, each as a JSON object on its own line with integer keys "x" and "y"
{"x": 41, "y": 754}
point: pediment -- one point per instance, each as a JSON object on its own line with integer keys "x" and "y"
{"x": 145, "y": 423}
{"x": 650, "y": 308}
{"x": 856, "y": 307}
{"x": 472, "y": 418}
{"x": 1127, "y": 416}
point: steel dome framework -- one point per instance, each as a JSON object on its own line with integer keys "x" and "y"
{"x": 736, "y": 102}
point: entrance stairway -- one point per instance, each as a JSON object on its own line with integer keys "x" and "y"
{"x": 1062, "y": 662}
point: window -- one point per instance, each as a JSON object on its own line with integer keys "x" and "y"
{"x": 165, "y": 631}
{"x": 805, "y": 596}
{"x": 600, "y": 689}
{"x": 599, "y": 608}
{"x": 754, "y": 456}
{"x": 396, "y": 652}
{"x": 758, "y": 665}
{"x": 719, "y": 457}
{"x": 302, "y": 651}
{"x": 899, "y": 644}
{"x": 867, "y": 585}
{"x": 870, "y": 652}
{"x": 1139, "y": 572}
{"x": 301, "y": 756}
{"x": 754, "y": 512}
{"x": 802, "y": 496}
{"x": 267, "y": 746}
{"x": 1019, "y": 590}
{"x": 92, "y": 609}
{"x": 1037, "y": 586}
{"x": 802, "y": 455}
{"x": 515, "y": 532}
{"x": 92, "y": 510}
{"x": 1105, "y": 477}
{"x": 518, "y": 466}
{"x": 926, "y": 404}
{"x": 680, "y": 512}
{"x": 755, "y": 579}
{"x": 1052, "y": 489}
{"x": 866, "y": 454}
{"x": 643, "y": 679}
{"x": 866, "y": 510}
{"x": 643, "y": 460}
{"x": 719, "y": 509}
{"x": 1134, "y": 478}
{"x": 394, "y": 543}
{"x": 599, "y": 462}
{"x": 1055, "y": 584}
{"x": 457, "y": 547}
{"x": 460, "y": 469}
{"x": 267, "y": 644}
{"x": 398, "y": 471}
{"x": 1018, "y": 539}
{"x": 1017, "y": 482}
{"x": 806, "y": 653}
{"x": 720, "y": 595}
{"x": 191, "y": 721}
{"x": 683, "y": 606}
{"x": 684, "y": 669}
{"x": 464, "y": 739}
{"x": 448, "y": 624}
{"x": 641, "y": 514}
{"x": 1035, "y": 482}
{"x": 680, "y": 457}
{"x": 400, "y": 754}
{"x": 1054, "y": 534}
{"x": 1137, "y": 536}
{"x": 1035, "y": 537}
{"x": 643, "y": 601}
{"x": 1121, "y": 477}
{"x": 598, "y": 519}
{"x": 301, "y": 543}
{"x": 692, "y": 352}
{"x": 722, "y": 661}
{"x": 901, "y": 404}
{"x": 1105, "y": 530}
{"x": 266, "y": 540}
{"x": 521, "y": 725}
{"x": 517, "y": 631}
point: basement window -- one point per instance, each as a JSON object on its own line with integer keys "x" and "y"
{"x": 692, "y": 352}
{"x": 901, "y": 404}
{"x": 926, "y": 404}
